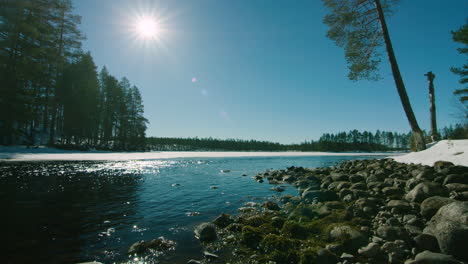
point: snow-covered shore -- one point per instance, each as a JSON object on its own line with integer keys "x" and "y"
{"x": 455, "y": 151}
{"x": 25, "y": 154}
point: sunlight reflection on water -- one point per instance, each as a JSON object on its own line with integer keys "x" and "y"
{"x": 67, "y": 212}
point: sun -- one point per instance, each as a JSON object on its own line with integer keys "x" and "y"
{"x": 147, "y": 28}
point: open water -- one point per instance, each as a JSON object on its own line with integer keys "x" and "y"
{"x": 69, "y": 212}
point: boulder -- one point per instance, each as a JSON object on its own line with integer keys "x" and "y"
{"x": 450, "y": 226}
{"x": 206, "y": 232}
{"x": 399, "y": 205}
{"x": 428, "y": 257}
{"x": 158, "y": 244}
{"x": 372, "y": 250}
{"x": 457, "y": 187}
{"x": 456, "y": 178}
{"x": 325, "y": 256}
{"x": 138, "y": 247}
{"x": 319, "y": 195}
{"x": 223, "y": 220}
{"x": 425, "y": 190}
{"x": 441, "y": 165}
{"x": 391, "y": 233}
{"x": 352, "y": 239}
{"x": 391, "y": 191}
{"x": 356, "y": 178}
{"x": 426, "y": 242}
{"x": 411, "y": 183}
{"x": 425, "y": 175}
{"x": 270, "y": 205}
{"x": 431, "y": 205}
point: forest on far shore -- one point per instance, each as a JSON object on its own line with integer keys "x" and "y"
{"x": 353, "y": 140}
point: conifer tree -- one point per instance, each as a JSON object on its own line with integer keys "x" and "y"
{"x": 360, "y": 27}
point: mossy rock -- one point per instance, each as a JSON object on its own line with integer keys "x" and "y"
{"x": 268, "y": 229}
{"x": 254, "y": 220}
{"x": 274, "y": 242}
{"x": 251, "y": 236}
{"x": 285, "y": 257}
{"x": 304, "y": 212}
{"x": 277, "y": 222}
{"x": 293, "y": 229}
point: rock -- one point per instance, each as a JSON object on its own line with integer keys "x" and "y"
{"x": 206, "y": 232}
{"x": 346, "y": 257}
{"x": 270, "y": 205}
{"x": 334, "y": 205}
{"x": 426, "y": 242}
{"x": 353, "y": 239}
{"x": 440, "y": 165}
{"x": 411, "y": 183}
{"x": 450, "y": 226}
{"x": 399, "y": 205}
{"x": 252, "y": 204}
{"x": 431, "y": 205}
{"x": 359, "y": 186}
{"x": 372, "y": 250}
{"x": 337, "y": 249}
{"x": 325, "y": 256}
{"x": 391, "y": 233}
{"x": 161, "y": 244}
{"x": 223, "y": 220}
{"x": 460, "y": 196}
{"x": 391, "y": 191}
{"x": 277, "y": 189}
{"x": 138, "y": 247}
{"x": 456, "y": 178}
{"x": 425, "y": 190}
{"x": 356, "y": 178}
{"x": 210, "y": 256}
{"x": 413, "y": 229}
{"x": 319, "y": 195}
{"x": 428, "y": 257}
{"x": 457, "y": 187}
{"x": 339, "y": 176}
{"x": 338, "y": 185}
{"x": 425, "y": 175}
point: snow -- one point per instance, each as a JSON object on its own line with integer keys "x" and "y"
{"x": 455, "y": 151}
{"x": 19, "y": 153}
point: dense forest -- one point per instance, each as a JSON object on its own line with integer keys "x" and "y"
{"x": 51, "y": 92}
{"x": 344, "y": 141}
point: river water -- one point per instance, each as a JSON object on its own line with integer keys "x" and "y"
{"x": 68, "y": 212}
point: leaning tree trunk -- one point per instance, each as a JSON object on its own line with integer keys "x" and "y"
{"x": 417, "y": 133}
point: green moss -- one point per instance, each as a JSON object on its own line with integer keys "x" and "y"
{"x": 305, "y": 212}
{"x": 287, "y": 257}
{"x": 277, "y": 222}
{"x": 268, "y": 229}
{"x": 255, "y": 220}
{"x": 274, "y": 242}
{"x": 293, "y": 229}
{"x": 307, "y": 256}
{"x": 251, "y": 236}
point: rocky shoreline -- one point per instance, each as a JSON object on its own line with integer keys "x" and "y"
{"x": 362, "y": 211}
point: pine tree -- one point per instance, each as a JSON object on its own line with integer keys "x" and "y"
{"x": 360, "y": 27}
{"x": 461, "y": 36}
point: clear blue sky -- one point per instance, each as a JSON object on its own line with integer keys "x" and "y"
{"x": 265, "y": 69}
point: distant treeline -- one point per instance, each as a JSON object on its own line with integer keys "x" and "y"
{"x": 343, "y": 141}
{"x": 50, "y": 91}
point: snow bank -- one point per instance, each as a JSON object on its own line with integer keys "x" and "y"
{"x": 455, "y": 151}
{"x": 25, "y": 154}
